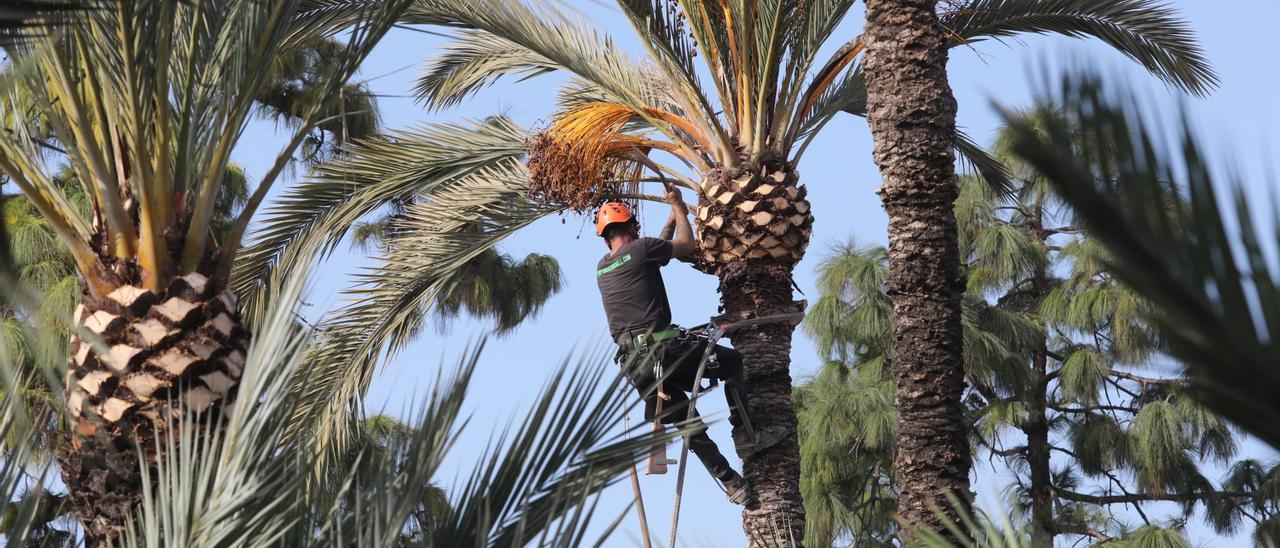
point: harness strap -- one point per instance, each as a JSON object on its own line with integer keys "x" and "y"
{"x": 638, "y": 338}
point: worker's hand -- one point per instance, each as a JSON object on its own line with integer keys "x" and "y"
{"x": 677, "y": 202}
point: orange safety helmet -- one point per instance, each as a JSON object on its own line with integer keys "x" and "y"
{"x": 612, "y": 212}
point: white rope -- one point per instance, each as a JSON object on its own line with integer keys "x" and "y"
{"x": 713, "y": 337}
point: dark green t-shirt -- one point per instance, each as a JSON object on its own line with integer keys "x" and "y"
{"x": 631, "y": 286}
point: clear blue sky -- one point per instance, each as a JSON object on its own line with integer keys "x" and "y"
{"x": 1241, "y": 119}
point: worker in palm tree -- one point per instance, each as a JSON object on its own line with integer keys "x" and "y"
{"x": 635, "y": 302}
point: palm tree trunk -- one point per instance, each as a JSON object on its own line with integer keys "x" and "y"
{"x": 911, "y": 112}
{"x": 754, "y": 225}
{"x": 182, "y": 351}
{"x": 749, "y": 289}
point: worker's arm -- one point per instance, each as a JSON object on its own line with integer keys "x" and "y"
{"x": 683, "y": 245}
{"x": 669, "y": 229}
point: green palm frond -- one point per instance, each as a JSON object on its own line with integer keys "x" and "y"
{"x": 547, "y": 33}
{"x": 368, "y": 176}
{"x": 993, "y": 172}
{"x": 250, "y": 482}
{"x": 473, "y": 61}
{"x": 497, "y": 286}
{"x": 467, "y": 216}
{"x": 148, "y": 99}
{"x": 1147, "y": 31}
{"x": 820, "y": 19}
{"x": 566, "y": 448}
{"x": 661, "y": 25}
{"x": 973, "y": 529}
{"x": 1217, "y": 296}
{"x": 849, "y": 95}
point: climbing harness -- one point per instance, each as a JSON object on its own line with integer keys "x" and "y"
{"x": 714, "y": 333}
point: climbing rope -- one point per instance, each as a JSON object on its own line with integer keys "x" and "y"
{"x": 635, "y": 487}
{"x": 714, "y": 333}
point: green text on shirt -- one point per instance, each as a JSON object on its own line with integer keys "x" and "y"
{"x": 614, "y": 265}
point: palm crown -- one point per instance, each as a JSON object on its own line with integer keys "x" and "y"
{"x": 722, "y": 83}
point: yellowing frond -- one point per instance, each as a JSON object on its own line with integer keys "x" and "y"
{"x": 828, "y": 74}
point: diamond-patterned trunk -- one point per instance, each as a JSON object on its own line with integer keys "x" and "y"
{"x": 757, "y": 212}
{"x": 179, "y": 351}
{"x": 754, "y": 224}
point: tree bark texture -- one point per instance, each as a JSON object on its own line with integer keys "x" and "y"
{"x": 1038, "y": 457}
{"x": 911, "y": 112}
{"x": 754, "y": 225}
{"x": 161, "y": 356}
{"x": 775, "y": 517}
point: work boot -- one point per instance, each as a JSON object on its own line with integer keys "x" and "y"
{"x": 736, "y": 488}
{"x": 764, "y": 438}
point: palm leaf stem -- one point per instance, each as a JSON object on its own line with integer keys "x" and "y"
{"x": 202, "y": 210}
{"x": 705, "y": 40}
{"x": 90, "y": 149}
{"x": 821, "y": 83}
{"x": 769, "y": 65}
{"x": 362, "y": 41}
{"x": 691, "y": 101}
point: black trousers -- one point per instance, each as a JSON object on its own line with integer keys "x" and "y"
{"x": 680, "y": 359}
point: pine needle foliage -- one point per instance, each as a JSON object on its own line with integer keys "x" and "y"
{"x": 1067, "y": 386}
{"x": 1215, "y": 296}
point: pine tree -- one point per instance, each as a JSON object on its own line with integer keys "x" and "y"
{"x": 1065, "y": 384}
{"x": 1202, "y": 264}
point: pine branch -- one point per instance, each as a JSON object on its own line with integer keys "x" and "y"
{"x": 1093, "y": 408}
{"x": 1083, "y": 529}
{"x": 1115, "y": 480}
{"x": 1146, "y": 380}
{"x": 1149, "y": 497}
